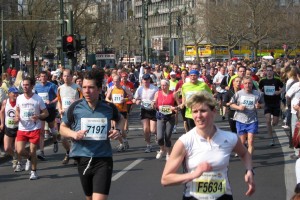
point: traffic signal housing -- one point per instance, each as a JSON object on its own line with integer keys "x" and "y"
{"x": 69, "y": 45}
{"x": 4, "y": 57}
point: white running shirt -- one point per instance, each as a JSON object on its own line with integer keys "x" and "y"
{"x": 28, "y": 108}
{"x": 216, "y": 153}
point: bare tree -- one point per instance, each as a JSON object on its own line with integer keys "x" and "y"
{"x": 34, "y": 31}
{"x": 224, "y": 24}
{"x": 194, "y": 30}
{"x": 260, "y": 21}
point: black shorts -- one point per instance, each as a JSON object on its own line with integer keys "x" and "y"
{"x": 148, "y": 114}
{"x": 273, "y": 110}
{"x": 97, "y": 177}
{"x": 52, "y": 115}
{"x": 11, "y": 132}
{"x": 124, "y": 114}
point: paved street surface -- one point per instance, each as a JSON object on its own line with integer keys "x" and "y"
{"x": 137, "y": 174}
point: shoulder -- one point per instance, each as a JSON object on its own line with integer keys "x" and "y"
{"x": 227, "y": 136}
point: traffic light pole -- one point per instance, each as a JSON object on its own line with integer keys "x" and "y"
{"x": 62, "y": 32}
{"x": 2, "y": 42}
{"x": 70, "y": 29}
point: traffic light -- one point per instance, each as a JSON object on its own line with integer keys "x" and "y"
{"x": 146, "y": 11}
{"x": 80, "y": 42}
{"x": 69, "y": 45}
{"x": 4, "y": 57}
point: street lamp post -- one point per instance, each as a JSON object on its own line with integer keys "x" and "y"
{"x": 170, "y": 32}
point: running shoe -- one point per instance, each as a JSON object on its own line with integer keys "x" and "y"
{"x": 174, "y": 131}
{"x": 294, "y": 157}
{"x": 28, "y": 165}
{"x": 41, "y": 156}
{"x": 159, "y": 154}
{"x": 14, "y": 163}
{"x": 55, "y": 147}
{"x": 19, "y": 167}
{"x": 120, "y": 148}
{"x": 167, "y": 156}
{"x": 33, "y": 175}
{"x": 148, "y": 149}
{"x": 126, "y": 145}
{"x": 66, "y": 159}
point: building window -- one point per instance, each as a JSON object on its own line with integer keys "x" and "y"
{"x": 282, "y": 3}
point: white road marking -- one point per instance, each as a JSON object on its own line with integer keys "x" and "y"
{"x": 129, "y": 167}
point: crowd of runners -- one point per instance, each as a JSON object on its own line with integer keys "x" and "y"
{"x": 36, "y": 108}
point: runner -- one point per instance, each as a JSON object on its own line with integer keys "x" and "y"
{"x": 204, "y": 152}
{"x": 272, "y": 88}
{"x": 88, "y": 123}
{"x": 29, "y": 112}
{"x": 246, "y": 102}
{"x": 125, "y": 82}
{"x": 188, "y": 89}
{"x": 67, "y": 94}
{"x": 144, "y": 95}
{"x": 47, "y": 91}
{"x": 8, "y": 125}
{"x": 119, "y": 95}
{"x": 165, "y": 104}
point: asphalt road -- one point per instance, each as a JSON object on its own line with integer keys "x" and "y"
{"x": 137, "y": 174}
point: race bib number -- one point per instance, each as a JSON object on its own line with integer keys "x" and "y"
{"x": 269, "y": 90}
{"x": 210, "y": 185}
{"x": 66, "y": 102}
{"x": 27, "y": 113}
{"x": 189, "y": 95}
{"x": 117, "y": 98}
{"x": 96, "y": 128}
{"x": 147, "y": 104}
{"x": 44, "y": 96}
{"x": 166, "y": 110}
{"x": 10, "y": 123}
{"x": 249, "y": 102}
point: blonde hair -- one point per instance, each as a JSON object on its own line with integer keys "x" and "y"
{"x": 19, "y": 79}
{"x": 202, "y": 97}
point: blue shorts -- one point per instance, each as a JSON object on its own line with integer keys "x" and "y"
{"x": 246, "y": 128}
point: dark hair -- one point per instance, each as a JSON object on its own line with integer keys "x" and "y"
{"x": 184, "y": 70}
{"x": 44, "y": 73}
{"x": 31, "y": 80}
{"x": 95, "y": 74}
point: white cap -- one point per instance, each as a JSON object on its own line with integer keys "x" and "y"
{"x": 172, "y": 73}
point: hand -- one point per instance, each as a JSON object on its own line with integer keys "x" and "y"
{"x": 277, "y": 93}
{"x": 61, "y": 112}
{"x": 47, "y": 102}
{"x": 114, "y": 134}
{"x": 257, "y": 106}
{"x": 35, "y": 118}
{"x": 250, "y": 181}
{"x": 137, "y": 101}
{"x": 79, "y": 135}
{"x": 242, "y": 107}
{"x": 17, "y": 119}
{"x": 202, "y": 167}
